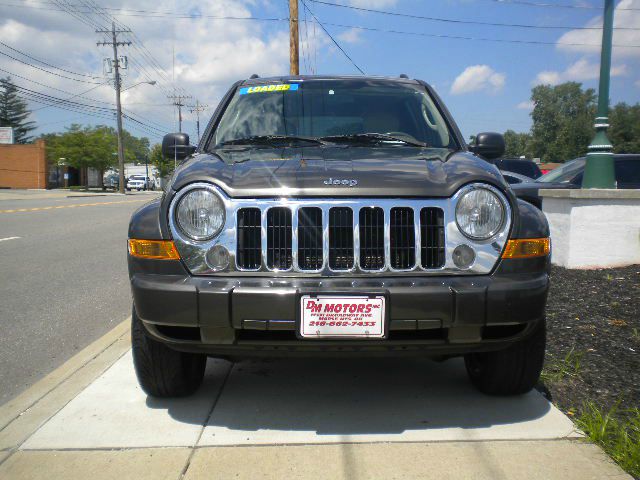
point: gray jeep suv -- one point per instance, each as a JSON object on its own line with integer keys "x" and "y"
{"x": 337, "y": 216}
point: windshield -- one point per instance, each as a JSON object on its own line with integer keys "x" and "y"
{"x": 335, "y": 109}
{"x": 565, "y": 173}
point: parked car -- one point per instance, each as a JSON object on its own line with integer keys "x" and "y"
{"x": 518, "y": 165}
{"x": 140, "y": 182}
{"x": 514, "y": 178}
{"x": 337, "y": 216}
{"x": 569, "y": 175}
{"x": 111, "y": 181}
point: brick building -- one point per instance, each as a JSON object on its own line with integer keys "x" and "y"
{"x": 23, "y": 166}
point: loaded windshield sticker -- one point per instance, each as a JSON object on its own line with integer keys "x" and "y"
{"x": 283, "y": 87}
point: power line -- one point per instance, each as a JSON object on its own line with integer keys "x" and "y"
{"x": 128, "y": 12}
{"x": 556, "y": 5}
{"x": 477, "y": 39}
{"x": 73, "y": 96}
{"x": 47, "y": 71}
{"x": 47, "y": 64}
{"x": 333, "y": 39}
{"x": 457, "y": 21}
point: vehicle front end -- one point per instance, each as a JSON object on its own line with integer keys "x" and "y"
{"x": 339, "y": 247}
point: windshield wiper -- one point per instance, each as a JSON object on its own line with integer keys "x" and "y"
{"x": 266, "y": 139}
{"x": 374, "y": 137}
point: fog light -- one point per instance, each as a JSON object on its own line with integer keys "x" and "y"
{"x": 217, "y": 258}
{"x": 463, "y": 256}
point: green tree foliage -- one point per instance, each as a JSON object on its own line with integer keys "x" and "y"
{"x": 563, "y": 117}
{"x": 624, "y": 130}
{"x": 516, "y": 144}
{"x": 164, "y": 166}
{"x": 14, "y": 112}
{"x": 93, "y": 147}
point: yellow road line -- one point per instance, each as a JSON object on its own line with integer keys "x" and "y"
{"x": 37, "y": 209}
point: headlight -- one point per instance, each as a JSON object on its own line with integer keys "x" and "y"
{"x": 480, "y": 213}
{"x": 200, "y": 214}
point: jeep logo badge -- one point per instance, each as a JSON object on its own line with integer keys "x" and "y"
{"x": 338, "y": 181}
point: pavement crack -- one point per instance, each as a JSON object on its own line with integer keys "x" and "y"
{"x": 206, "y": 422}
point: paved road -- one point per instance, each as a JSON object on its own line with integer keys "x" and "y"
{"x": 63, "y": 280}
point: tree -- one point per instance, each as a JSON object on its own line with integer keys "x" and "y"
{"x": 624, "y": 130}
{"x": 516, "y": 144}
{"x": 165, "y": 166}
{"x": 563, "y": 118}
{"x": 93, "y": 147}
{"x": 14, "y": 112}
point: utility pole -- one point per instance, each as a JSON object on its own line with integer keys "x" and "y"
{"x": 599, "y": 171}
{"x": 178, "y": 102}
{"x": 197, "y": 108}
{"x": 118, "y": 84}
{"x": 294, "y": 58}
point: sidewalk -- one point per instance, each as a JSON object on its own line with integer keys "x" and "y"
{"x": 10, "y": 194}
{"x": 394, "y": 418}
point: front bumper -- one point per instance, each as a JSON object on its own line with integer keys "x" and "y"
{"x": 445, "y": 315}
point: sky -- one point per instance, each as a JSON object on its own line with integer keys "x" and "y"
{"x": 484, "y": 73}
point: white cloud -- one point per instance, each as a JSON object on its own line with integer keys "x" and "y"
{"x": 589, "y": 40}
{"x": 580, "y": 70}
{"x": 637, "y": 83}
{"x": 478, "y": 77}
{"x": 210, "y": 54}
{"x": 526, "y": 105}
{"x": 350, "y": 36}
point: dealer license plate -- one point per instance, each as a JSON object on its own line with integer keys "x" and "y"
{"x": 342, "y": 316}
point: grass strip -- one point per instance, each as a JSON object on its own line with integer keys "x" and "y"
{"x": 617, "y": 432}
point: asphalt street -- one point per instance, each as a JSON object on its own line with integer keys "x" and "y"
{"x": 64, "y": 279}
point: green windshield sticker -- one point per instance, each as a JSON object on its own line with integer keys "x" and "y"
{"x": 283, "y": 87}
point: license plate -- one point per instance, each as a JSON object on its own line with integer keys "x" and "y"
{"x": 342, "y": 317}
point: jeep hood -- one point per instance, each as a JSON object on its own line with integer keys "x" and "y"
{"x": 307, "y": 171}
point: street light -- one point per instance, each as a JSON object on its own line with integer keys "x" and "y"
{"x": 599, "y": 171}
{"x": 119, "y": 90}
{"x": 150, "y": 82}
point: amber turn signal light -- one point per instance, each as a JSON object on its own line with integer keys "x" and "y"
{"x": 527, "y": 248}
{"x": 153, "y": 249}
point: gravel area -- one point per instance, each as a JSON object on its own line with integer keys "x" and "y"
{"x": 593, "y": 339}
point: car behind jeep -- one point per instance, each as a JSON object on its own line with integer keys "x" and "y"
{"x": 337, "y": 216}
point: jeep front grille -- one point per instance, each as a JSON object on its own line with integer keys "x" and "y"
{"x": 340, "y": 238}
{"x": 310, "y": 254}
{"x": 371, "y": 238}
{"x": 432, "y": 238}
{"x": 402, "y": 239}
{"x": 356, "y": 237}
{"x": 249, "y": 239}
{"x": 279, "y": 238}
{"x": 388, "y": 239}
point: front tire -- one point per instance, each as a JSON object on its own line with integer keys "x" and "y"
{"x": 161, "y": 371}
{"x": 512, "y": 371}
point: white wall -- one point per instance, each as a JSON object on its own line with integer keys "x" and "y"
{"x": 594, "y": 232}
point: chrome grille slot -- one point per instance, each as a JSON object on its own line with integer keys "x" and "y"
{"x": 432, "y": 244}
{"x": 402, "y": 238}
{"x": 310, "y": 254}
{"x": 371, "y": 238}
{"x": 340, "y": 238}
{"x": 279, "y": 238}
{"x": 249, "y": 239}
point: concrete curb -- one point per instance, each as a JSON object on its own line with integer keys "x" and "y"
{"x": 23, "y": 415}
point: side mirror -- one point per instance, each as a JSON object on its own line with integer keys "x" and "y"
{"x": 489, "y": 145}
{"x": 176, "y": 145}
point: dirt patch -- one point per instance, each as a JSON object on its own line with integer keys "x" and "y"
{"x": 593, "y": 340}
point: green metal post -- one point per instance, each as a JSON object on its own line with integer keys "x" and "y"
{"x": 599, "y": 171}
